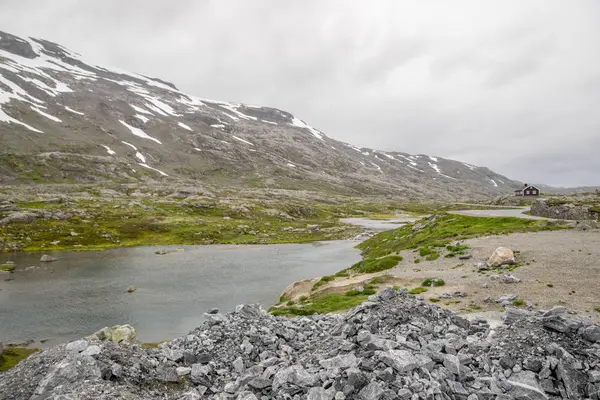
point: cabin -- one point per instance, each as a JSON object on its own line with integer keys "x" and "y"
{"x": 527, "y": 190}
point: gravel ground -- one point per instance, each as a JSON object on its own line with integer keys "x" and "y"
{"x": 557, "y": 268}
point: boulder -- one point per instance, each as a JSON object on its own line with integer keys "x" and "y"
{"x": 116, "y": 334}
{"x": 47, "y": 258}
{"x": 131, "y": 289}
{"x": 19, "y": 217}
{"x": 501, "y": 256}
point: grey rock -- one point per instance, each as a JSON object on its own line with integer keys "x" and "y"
{"x": 295, "y": 374}
{"x": 47, "y": 258}
{"x": 344, "y": 361}
{"x": 592, "y": 333}
{"x": 166, "y": 373}
{"x": 372, "y": 391}
{"x": 319, "y": 393}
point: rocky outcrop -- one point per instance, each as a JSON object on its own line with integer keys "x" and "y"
{"x": 391, "y": 347}
{"x": 562, "y": 209}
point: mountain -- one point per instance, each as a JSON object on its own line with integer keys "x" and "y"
{"x": 65, "y": 120}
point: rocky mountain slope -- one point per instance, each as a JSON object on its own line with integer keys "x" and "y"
{"x": 65, "y": 120}
{"x": 391, "y": 347}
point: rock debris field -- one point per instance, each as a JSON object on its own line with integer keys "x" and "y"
{"x": 393, "y": 346}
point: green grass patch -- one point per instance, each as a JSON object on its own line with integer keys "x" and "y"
{"x": 434, "y": 300}
{"x": 7, "y": 267}
{"x": 327, "y": 304}
{"x": 367, "y": 290}
{"x": 518, "y": 303}
{"x": 430, "y": 282}
{"x": 446, "y": 229}
{"x": 425, "y": 251}
{"x": 369, "y": 266}
{"x": 323, "y": 281}
{"x": 11, "y": 356}
{"x": 417, "y": 290}
{"x": 151, "y": 345}
{"x": 457, "y": 248}
{"x": 432, "y": 257}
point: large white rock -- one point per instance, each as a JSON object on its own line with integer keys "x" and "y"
{"x": 501, "y": 256}
{"x": 117, "y": 334}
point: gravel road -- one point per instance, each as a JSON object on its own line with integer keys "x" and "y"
{"x": 557, "y": 268}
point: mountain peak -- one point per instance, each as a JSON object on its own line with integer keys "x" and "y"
{"x": 95, "y": 123}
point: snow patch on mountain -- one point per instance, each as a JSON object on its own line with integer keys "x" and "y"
{"x": 140, "y": 133}
{"x": 140, "y": 109}
{"x": 154, "y": 169}
{"x": 300, "y": 124}
{"x": 50, "y": 117}
{"x": 242, "y": 140}
{"x": 73, "y": 111}
{"x": 184, "y": 126}
{"x": 109, "y": 150}
{"x": 142, "y": 118}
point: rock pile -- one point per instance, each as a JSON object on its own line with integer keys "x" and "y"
{"x": 391, "y": 347}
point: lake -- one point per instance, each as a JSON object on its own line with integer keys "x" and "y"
{"x": 85, "y": 291}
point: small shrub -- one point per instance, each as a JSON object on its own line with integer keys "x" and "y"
{"x": 433, "y": 257}
{"x": 597, "y": 309}
{"x": 369, "y": 266}
{"x": 430, "y": 282}
{"x": 518, "y": 302}
{"x": 324, "y": 280}
{"x": 303, "y": 299}
{"x": 290, "y": 303}
{"x": 417, "y": 260}
{"x": 7, "y": 267}
{"x": 425, "y": 251}
{"x": 283, "y": 299}
{"x": 434, "y": 300}
{"x": 457, "y": 248}
{"x": 417, "y": 290}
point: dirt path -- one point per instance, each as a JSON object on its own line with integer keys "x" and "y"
{"x": 557, "y": 268}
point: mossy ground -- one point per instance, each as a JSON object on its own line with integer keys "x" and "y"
{"x": 447, "y": 228}
{"x": 100, "y": 223}
{"x": 327, "y": 302}
{"x": 13, "y": 355}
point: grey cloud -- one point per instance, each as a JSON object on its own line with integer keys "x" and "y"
{"x": 508, "y": 84}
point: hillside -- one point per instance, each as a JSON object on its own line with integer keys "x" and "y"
{"x": 65, "y": 120}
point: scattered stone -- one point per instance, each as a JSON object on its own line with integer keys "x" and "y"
{"x": 501, "y": 256}
{"x": 481, "y": 266}
{"x": 506, "y": 278}
{"x": 452, "y": 295}
{"x": 131, "y": 289}
{"x": 47, "y": 258}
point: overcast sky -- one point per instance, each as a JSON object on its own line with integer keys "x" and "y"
{"x": 511, "y": 85}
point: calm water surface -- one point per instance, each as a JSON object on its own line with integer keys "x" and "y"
{"x": 85, "y": 291}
